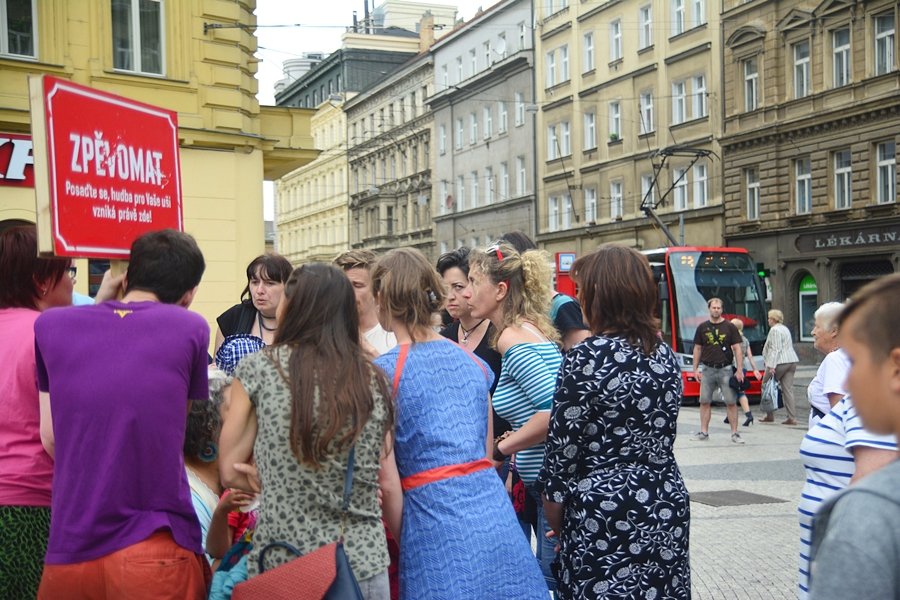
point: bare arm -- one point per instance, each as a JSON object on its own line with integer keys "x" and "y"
{"x": 696, "y": 362}
{"x": 749, "y": 357}
{"x": 219, "y": 339}
{"x": 868, "y": 460}
{"x": 533, "y": 432}
{"x": 553, "y": 512}
{"x": 46, "y": 425}
{"x": 489, "y": 446}
{"x": 237, "y": 438}
{"x": 834, "y": 398}
{"x": 219, "y": 535}
{"x": 739, "y": 360}
{"x": 573, "y": 337}
{"x": 391, "y": 490}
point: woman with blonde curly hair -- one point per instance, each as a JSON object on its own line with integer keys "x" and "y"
{"x": 442, "y": 499}
{"x": 513, "y": 291}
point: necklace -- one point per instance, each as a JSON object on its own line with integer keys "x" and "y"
{"x": 262, "y": 326}
{"x": 467, "y": 332}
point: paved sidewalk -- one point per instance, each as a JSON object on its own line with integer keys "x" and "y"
{"x": 747, "y": 551}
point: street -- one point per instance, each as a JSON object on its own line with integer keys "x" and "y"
{"x": 744, "y": 547}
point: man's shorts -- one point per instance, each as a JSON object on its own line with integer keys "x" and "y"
{"x": 712, "y": 378}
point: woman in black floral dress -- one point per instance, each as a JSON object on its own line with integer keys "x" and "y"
{"x": 612, "y": 489}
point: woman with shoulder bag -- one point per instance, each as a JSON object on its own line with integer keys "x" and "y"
{"x": 298, "y": 408}
{"x": 781, "y": 364}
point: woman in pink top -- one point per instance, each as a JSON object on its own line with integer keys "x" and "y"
{"x": 28, "y": 285}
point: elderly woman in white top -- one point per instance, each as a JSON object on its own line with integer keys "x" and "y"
{"x": 781, "y": 363}
{"x": 827, "y": 387}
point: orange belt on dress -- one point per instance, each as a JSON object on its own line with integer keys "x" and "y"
{"x": 441, "y": 473}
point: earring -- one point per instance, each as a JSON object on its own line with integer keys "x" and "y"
{"x": 209, "y": 453}
{"x": 44, "y": 291}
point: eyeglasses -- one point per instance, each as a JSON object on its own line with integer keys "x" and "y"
{"x": 72, "y": 271}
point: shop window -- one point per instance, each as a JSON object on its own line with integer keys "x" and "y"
{"x": 854, "y": 275}
{"x": 808, "y": 296}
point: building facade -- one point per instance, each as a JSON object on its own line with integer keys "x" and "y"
{"x": 312, "y": 201}
{"x": 812, "y": 109}
{"x": 483, "y": 132}
{"x": 629, "y": 112}
{"x": 389, "y": 150}
{"x": 195, "y": 58}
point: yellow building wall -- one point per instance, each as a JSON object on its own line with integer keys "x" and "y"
{"x": 227, "y": 140}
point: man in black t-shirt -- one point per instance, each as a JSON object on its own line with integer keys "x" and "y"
{"x": 717, "y": 345}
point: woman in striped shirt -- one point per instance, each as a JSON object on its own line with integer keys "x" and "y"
{"x": 513, "y": 291}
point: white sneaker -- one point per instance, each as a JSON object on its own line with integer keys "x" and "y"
{"x": 736, "y": 438}
{"x": 700, "y": 436}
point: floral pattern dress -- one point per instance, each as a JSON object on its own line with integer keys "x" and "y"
{"x": 609, "y": 461}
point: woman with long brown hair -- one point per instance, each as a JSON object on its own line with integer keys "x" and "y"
{"x": 458, "y": 532}
{"x": 297, "y": 407}
{"x": 612, "y": 489}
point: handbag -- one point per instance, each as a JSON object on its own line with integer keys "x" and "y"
{"x": 323, "y": 574}
{"x": 768, "y": 400}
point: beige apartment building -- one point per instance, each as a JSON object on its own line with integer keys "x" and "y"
{"x": 312, "y": 201}
{"x": 812, "y": 119}
{"x": 629, "y": 106}
{"x": 195, "y": 58}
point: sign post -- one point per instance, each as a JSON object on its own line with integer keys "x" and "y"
{"x": 106, "y": 168}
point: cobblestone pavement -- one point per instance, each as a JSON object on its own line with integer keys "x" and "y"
{"x": 747, "y": 551}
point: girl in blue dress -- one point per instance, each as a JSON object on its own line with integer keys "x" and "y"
{"x": 458, "y": 533}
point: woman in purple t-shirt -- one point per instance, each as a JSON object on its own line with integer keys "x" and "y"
{"x": 28, "y": 285}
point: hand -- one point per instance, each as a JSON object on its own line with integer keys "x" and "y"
{"x": 252, "y": 474}
{"x": 739, "y": 375}
{"x": 498, "y": 454}
{"x": 550, "y": 535}
{"x": 110, "y": 287}
{"x": 756, "y": 374}
{"x": 697, "y": 375}
{"x": 234, "y": 500}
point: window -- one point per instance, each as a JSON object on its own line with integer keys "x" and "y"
{"x": 801, "y": 69}
{"x": 751, "y": 181}
{"x": 884, "y": 44}
{"x": 701, "y": 190}
{"x": 751, "y": 84}
{"x": 645, "y": 21}
{"x": 521, "y": 181}
{"x": 615, "y": 122}
{"x": 615, "y": 200}
{"x": 646, "y": 104}
{"x": 803, "y": 185}
{"x": 459, "y": 134}
{"x": 840, "y": 44}
{"x": 699, "y": 98}
{"x": 590, "y": 131}
{"x": 459, "y": 69}
{"x": 551, "y": 68}
{"x": 488, "y": 57}
{"x": 520, "y": 109}
{"x": 501, "y": 43}
{"x": 552, "y": 213}
{"x": 489, "y": 185}
{"x": 474, "y": 176}
{"x": 678, "y": 102}
{"x": 887, "y": 173}
{"x": 473, "y": 62}
{"x": 567, "y": 212}
{"x": 488, "y": 123}
{"x": 523, "y": 36}
{"x": 473, "y": 128}
{"x": 680, "y": 188}
{"x": 504, "y": 181}
{"x": 137, "y": 36}
{"x": 17, "y": 27}
{"x": 699, "y": 12}
{"x": 843, "y": 173}
{"x": 445, "y": 77}
{"x": 677, "y": 17}
{"x": 565, "y": 138}
{"x": 460, "y": 193}
{"x": 587, "y": 59}
{"x": 615, "y": 40}
{"x": 648, "y": 193}
{"x": 442, "y": 139}
{"x": 590, "y": 205}
{"x": 552, "y": 143}
{"x": 808, "y": 293}
{"x": 502, "y": 117}
{"x": 564, "y": 63}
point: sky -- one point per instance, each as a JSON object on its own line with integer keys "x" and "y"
{"x": 305, "y": 29}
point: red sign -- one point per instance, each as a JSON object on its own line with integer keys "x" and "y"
{"x": 112, "y": 166}
{"x": 16, "y": 160}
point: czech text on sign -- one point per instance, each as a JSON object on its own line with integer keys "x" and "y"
{"x": 113, "y": 169}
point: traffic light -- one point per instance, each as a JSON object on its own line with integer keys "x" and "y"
{"x": 762, "y": 271}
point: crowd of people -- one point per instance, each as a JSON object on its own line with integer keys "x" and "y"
{"x": 137, "y": 465}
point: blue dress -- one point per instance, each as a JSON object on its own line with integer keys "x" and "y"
{"x": 460, "y": 536}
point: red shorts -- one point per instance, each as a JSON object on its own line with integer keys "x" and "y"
{"x": 157, "y": 569}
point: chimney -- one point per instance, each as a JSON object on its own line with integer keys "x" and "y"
{"x": 426, "y": 31}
